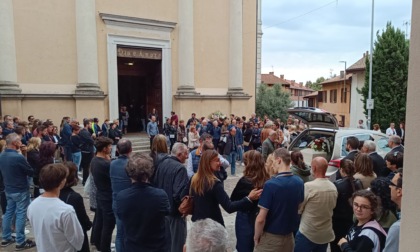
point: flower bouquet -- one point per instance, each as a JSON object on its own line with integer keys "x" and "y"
{"x": 319, "y": 145}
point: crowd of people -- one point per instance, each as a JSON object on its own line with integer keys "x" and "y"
{"x": 281, "y": 203}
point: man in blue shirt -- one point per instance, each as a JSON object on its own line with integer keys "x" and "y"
{"x": 279, "y": 203}
{"x": 15, "y": 171}
{"x": 152, "y": 129}
{"x": 119, "y": 182}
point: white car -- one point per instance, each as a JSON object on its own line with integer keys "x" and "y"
{"x": 324, "y": 138}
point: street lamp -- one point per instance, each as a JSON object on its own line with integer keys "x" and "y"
{"x": 345, "y": 73}
{"x": 369, "y": 102}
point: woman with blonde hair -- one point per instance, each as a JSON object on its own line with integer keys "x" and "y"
{"x": 255, "y": 175}
{"x": 193, "y": 138}
{"x": 208, "y": 191}
{"x": 32, "y": 155}
{"x": 364, "y": 169}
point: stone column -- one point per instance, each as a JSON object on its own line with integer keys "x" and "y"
{"x": 87, "y": 49}
{"x": 235, "y": 47}
{"x": 8, "y": 72}
{"x": 186, "y": 47}
{"x": 259, "y": 45}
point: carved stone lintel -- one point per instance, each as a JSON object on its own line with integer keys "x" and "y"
{"x": 88, "y": 89}
{"x": 186, "y": 90}
{"x": 8, "y": 87}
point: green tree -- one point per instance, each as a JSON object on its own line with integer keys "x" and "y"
{"x": 272, "y": 101}
{"x": 315, "y": 85}
{"x": 389, "y": 77}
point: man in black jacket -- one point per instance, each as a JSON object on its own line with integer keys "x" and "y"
{"x": 86, "y": 148}
{"x": 379, "y": 165}
{"x": 231, "y": 149}
{"x": 352, "y": 146}
{"x": 394, "y": 142}
{"x": 171, "y": 176}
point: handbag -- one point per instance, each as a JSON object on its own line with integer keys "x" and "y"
{"x": 184, "y": 139}
{"x": 187, "y": 205}
{"x": 246, "y": 143}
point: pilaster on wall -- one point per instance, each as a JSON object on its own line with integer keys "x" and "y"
{"x": 8, "y": 72}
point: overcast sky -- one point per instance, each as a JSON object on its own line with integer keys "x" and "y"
{"x": 306, "y": 39}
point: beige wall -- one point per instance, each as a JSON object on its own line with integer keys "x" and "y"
{"x": 337, "y": 108}
{"x": 46, "y": 51}
{"x": 410, "y": 222}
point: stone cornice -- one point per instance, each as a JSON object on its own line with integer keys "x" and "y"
{"x": 135, "y": 22}
{"x": 52, "y": 96}
{"x": 214, "y": 97}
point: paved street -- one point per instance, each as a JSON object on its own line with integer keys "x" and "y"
{"x": 229, "y": 218}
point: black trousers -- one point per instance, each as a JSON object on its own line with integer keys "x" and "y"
{"x": 85, "y": 164}
{"x": 104, "y": 225}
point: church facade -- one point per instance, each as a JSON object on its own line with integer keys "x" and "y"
{"x": 87, "y": 58}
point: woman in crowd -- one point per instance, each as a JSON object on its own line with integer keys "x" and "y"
{"x": 76, "y": 152}
{"x": 115, "y": 135}
{"x": 181, "y": 132}
{"x": 32, "y": 155}
{"x": 105, "y": 219}
{"x": 366, "y": 234}
{"x": 364, "y": 169}
{"x": 292, "y": 133}
{"x": 166, "y": 127}
{"x": 159, "y": 149}
{"x": 299, "y": 167}
{"x": 46, "y": 156}
{"x": 70, "y": 197}
{"x": 193, "y": 138}
{"x": 255, "y": 176}
{"x": 342, "y": 218}
{"x": 248, "y": 136}
{"x": 216, "y": 133}
{"x": 376, "y": 127}
{"x": 388, "y": 209}
{"x": 208, "y": 191}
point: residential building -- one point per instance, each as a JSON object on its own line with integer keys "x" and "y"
{"x": 335, "y": 96}
{"x": 296, "y": 90}
{"x": 86, "y": 58}
{"x": 358, "y": 71}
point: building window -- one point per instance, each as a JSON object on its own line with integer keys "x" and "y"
{"x": 342, "y": 121}
{"x": 333, "y": 96}
{"x": 343, "y": 95}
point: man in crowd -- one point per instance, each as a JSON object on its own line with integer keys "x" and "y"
{"x": 9, "y": 128}
{"x": 393, "y": 239}
{"x": 394, "y": 142}
{"x": 207, "y": 235}
{"x": 65, "y": 141}
{"x": 231, "y": 149}
{"x": 315, "y": 230}
{"x": 379, "y": 165}
{"x": 174, "y": 118}
{"x": 119, "y": 182}
{"x": 268, "y": 146}
{"x": 55, "y": 224}
{"x": 152, "y": 129}
{"x": 142, "y": 208}
{"x": 192, "y": 119}
{"x": 278, "y": 217}
{"x": 86, "y": 148}
{"x": 171, "y": 176}
{"x": 15, "y": 171}
{"x": 391, "y": 130}
{"x": 361, "y": 125}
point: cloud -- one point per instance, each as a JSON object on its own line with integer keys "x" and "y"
{"x": 304, "y": 39}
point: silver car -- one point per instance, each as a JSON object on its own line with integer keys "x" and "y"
{"x": 324, "y": 138}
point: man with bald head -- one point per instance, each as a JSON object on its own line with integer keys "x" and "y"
{"x": 315, "y": 230}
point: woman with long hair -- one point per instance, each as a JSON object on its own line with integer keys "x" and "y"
{"x": 299, "y": 167}
{"x": 342, "y": 218}
{"x": 158, "y": 151}
{"x": 254, "y": 177}
{"x": 366, "y": 234}
{"x": 208, "y": 191}
{"x": 388, "y": 210}
{"x": 364, "y": 169}
{"x": 46, "y": 156}
{"x": 72, "y": 198}
{"x": 32, "y": 155}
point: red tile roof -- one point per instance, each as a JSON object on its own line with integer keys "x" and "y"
{"x": 360, "y": 65}
{"x": 336, "y": 79}
{"x": 270, "y": 78}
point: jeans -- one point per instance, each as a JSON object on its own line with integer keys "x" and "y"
{"x": 17, "y": 203}
{"x": 240, "y": 153}
{"x": 232, "y": 160}
{"x": 67, "y": 154}
{"x": 104, "y": 225}
{"x": 119, "y": 238}
{"x": 77, "y": 159}
{"x": 244, "y": 230}
{"x": 303, "y": 244}
{"x": 113, "y": 150}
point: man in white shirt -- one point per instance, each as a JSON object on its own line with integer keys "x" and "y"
{"x": 391, "y": 130}
{"x": 55, "y": 223}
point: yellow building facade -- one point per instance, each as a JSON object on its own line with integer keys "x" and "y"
{"x": 86, "y": 58}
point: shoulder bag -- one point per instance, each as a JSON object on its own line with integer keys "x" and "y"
{"x": 187, "y": 205}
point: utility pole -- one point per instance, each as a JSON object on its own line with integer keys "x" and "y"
{"x": 369, "y": 103}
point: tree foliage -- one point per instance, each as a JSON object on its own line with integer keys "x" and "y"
{"x": 389, "y": 77}
{"x": 315, "y": 85}
{"x": 272, "y": 101}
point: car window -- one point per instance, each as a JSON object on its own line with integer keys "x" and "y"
{"x": 362, "y": 137}
{"x": 382, "y": 144}
{"x": 308, "y": 138}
